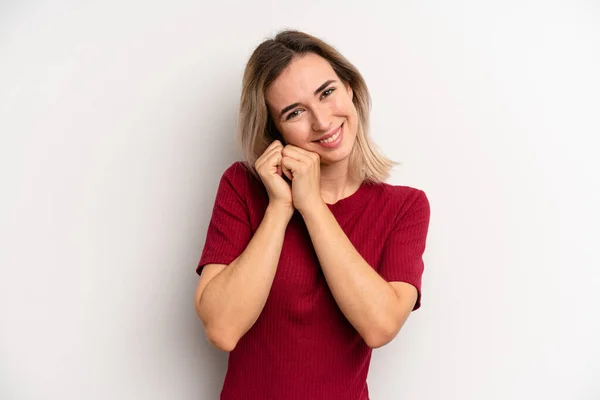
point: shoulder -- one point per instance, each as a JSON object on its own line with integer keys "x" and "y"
{"x": 404, "y": 199}
{"x": 240, "y": 178}
{"x": 234, "y": 181}
{"x": 237, "y": 172}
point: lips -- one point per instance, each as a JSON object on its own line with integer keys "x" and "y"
{"x": 334, "y": 140}
{"x": 330, "y": 134}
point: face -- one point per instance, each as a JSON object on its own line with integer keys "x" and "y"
{"x": 313, "y": 109}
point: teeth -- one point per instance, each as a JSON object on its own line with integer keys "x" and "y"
{"x": 332, "y": 138}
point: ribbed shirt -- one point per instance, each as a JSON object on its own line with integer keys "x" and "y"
{"x": 302, "y": 346}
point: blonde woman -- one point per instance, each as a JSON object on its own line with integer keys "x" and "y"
{"x": 311, "y": 260}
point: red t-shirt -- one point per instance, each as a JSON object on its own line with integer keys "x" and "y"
{"x": 302, "y": 346}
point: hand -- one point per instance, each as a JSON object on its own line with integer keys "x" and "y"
{"x": 304, "y": 169}
{"x": 269, "y": 169}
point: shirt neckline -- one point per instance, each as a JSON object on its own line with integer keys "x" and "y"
{"x": 354, "y": 201}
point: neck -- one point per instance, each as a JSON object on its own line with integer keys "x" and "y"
{"x": 337, "y": 183}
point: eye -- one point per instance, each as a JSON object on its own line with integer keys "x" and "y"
{"x": 293, "y": 114}
{"x": 327, "y": 92}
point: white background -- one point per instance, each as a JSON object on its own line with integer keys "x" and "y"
{"x": 117, "y": 121}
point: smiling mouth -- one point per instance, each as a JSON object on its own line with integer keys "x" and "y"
{"x": 331, "y": 138}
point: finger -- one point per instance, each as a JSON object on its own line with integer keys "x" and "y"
{"x": 300, "y": 154}
{"x": 286, "y": 171}
{"x": 298, "y": 161}
{"x": 292, "y": 165}
{"x": 274, "y": 144}
{"x": 296, "y": 150}
{"x": 273, "y": 163}
{"x": 267, "y": 155}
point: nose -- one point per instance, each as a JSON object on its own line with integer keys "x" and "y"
{"x": 321, "y": 119}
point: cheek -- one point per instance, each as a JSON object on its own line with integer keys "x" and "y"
{"x": 296, "y": 133}
{"x": 344, "y": 106}
{"x": 339, "y": 105}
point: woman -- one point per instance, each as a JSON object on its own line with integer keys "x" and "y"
{"x": 310, "y": 260}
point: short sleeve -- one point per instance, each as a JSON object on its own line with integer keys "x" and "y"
{"x": 229, "y": 230}
{"x": 402, "y": 258}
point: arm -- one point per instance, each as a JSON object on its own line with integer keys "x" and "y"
{"x": 239, "y": 264}
{"x": 377, "y": 309}
{"x": 230, "y": 302}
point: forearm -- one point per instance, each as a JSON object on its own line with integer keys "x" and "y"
{"x": 369, "y": 302}
{"x": 232, "y": 301}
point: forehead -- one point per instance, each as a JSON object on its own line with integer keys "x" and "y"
{"x": 299, "y": 80}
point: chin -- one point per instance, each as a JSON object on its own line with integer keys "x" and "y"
{"x": 334, "y": 157}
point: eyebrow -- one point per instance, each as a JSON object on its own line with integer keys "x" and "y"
{"x": 291, "y": 106}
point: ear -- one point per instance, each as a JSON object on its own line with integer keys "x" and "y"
{"x": 349, "y": 90}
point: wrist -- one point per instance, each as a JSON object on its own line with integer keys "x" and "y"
{"x": 314, "y": 208}
{"x": 281, "y": 210}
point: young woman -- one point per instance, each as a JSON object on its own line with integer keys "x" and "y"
{"x": 311, "y": 260}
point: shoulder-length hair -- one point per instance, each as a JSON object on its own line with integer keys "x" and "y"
{"x": 256, "y": 129}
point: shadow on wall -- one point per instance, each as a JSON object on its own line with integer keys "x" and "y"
{"x": 216, "y": 151}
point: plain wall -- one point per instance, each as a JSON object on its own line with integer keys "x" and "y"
{"x": 117, "y": 121}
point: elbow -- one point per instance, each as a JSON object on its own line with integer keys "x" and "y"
{"x": 376, "y": 342}
{"x": 381, "y": 336}
{"x": 219, "y": 339}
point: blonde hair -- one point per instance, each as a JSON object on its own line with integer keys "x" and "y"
{"x": 256, "y": 129}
